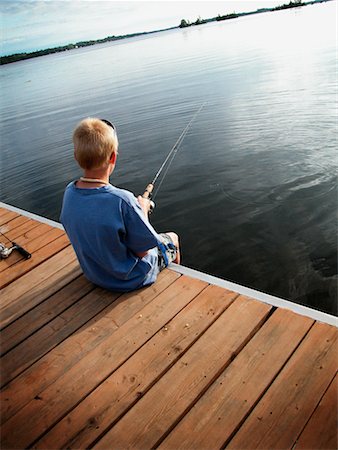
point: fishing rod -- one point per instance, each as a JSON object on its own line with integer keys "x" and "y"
{"x": 148, "y": 193}
{"x": 6, "y": 251}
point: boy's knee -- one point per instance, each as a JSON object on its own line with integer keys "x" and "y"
{"x": 174, "y": 238}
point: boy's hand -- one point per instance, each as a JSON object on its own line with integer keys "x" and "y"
{"x": 145, "y": 204}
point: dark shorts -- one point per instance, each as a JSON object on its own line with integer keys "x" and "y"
{"x": 167, "y": 251}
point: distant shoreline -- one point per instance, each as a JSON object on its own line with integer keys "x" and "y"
{"x": 184, "y": 24}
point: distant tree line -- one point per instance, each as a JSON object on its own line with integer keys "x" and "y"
{"x": 184, "y": 23}
{"x": 293, "y": 4}
{"x": 227, "y": 16}
{"x": 21, "y": 56}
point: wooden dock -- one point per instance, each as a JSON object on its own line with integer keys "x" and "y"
{"x": 182, "y": 364}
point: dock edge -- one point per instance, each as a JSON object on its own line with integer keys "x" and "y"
{"x": 257, "y": 295}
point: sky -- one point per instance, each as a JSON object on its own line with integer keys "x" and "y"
{"x": 28, "y": 25}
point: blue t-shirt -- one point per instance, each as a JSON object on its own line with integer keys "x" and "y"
{"x": 107, "y": 227}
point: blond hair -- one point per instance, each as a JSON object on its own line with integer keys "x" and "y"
{"x": 94, "y": 143}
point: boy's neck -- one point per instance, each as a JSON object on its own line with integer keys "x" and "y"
{"x": 94, "y": 178}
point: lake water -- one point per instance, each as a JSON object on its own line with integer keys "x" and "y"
{"x": 252, "y": 190}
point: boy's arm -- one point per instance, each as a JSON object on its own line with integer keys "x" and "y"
{"x": 140, "y": 236}
{"x": 142, "y": 254}
{"x": 145, "y": 205}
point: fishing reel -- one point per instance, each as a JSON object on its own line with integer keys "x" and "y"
{"x": 6, "y": 251}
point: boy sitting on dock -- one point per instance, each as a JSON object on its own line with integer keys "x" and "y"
{"x": 117, "y": 247}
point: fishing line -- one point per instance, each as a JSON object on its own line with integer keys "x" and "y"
{"x": 177, "y": 144}
{"x": 169, "y": 159}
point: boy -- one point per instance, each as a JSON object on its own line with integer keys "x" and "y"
{"x": 108, "y": 227}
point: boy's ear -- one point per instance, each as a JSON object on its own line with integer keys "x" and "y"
{"x": 113, "y": 158}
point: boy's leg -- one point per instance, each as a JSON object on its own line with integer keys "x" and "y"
{"x": 169, "y": 250}
{"x": 174, "y": 237}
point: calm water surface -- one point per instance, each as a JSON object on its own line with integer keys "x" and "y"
{"x": 252, "y": 191}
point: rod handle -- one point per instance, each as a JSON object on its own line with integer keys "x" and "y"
{"x": 147, "y": 193}
{"x": 22, "y": 251}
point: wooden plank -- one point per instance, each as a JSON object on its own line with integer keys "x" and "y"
{"x": 30, "y": 236}
{"x": 124, "y": 387}
{"x": 284, "y": 410}
{"x": 42, "y": 314}
{"x": 16, "y": 233}
{"x": 176, "y": 392}
{"x": 18, "y": 222}
{"x": 33, "y": 240}
{"x": 8, "y": 230}
{"x": 52, "y": 366}
{"x": 46, "y": 370}
{"x": 40, "y": 255}
{"x": 40, "y": 283}
{"x": 18, "y": 228}
{"x": 3, "y": 211}
{"x": 321, "y": 430}
{"x": 30, "y": 281}
{"x": 7, "y": 217}
{"x": 54, "y": 332}
{"x": 39, "y": 415}
{"x": 215, "y": 417}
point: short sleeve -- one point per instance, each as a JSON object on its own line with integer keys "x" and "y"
{"x": 140, "y": 236}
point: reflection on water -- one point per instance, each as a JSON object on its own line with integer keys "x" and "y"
{"x": 252, "y": 191}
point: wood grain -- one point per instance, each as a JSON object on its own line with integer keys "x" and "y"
{"x": 176, "y": 392}
{"x": 213, "y": 420}
{"x": 43, "y": 313}
{"x": 321, "y": 430}
{"x": 286, "y": 407}
{"x": 96, "y": 366}
{"x": 127, "y": 385}
{"x": 42, "y": 254}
